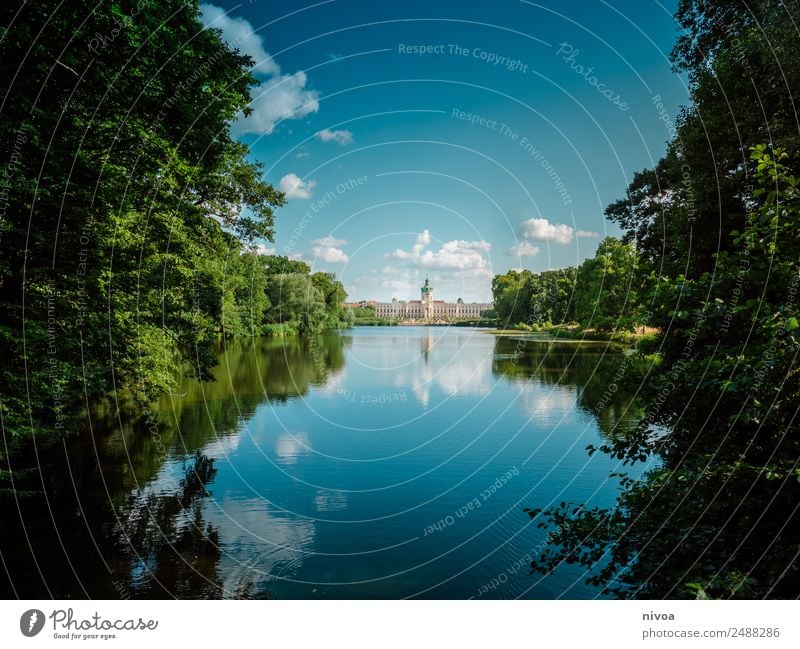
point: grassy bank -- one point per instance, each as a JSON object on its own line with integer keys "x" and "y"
{"x": 576, "y": 331}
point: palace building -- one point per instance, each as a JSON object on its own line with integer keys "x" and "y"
{"x": 426, "y": 308}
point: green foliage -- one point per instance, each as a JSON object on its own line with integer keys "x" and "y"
{"x": 715, "y": 225}
{"x": 131, "y": 211}
{"x": 363, "y": 312}
{"x": 741, "y": 60}
{"x": 306, "y": 303}
{"x": 277, "y": 265}
{"x": 511, "y": 296}
{"x": 607, "y": 288}
{"x": 717, "y": 516}
{"x": 727, "y": 484}
{"x": 603, "y": 293}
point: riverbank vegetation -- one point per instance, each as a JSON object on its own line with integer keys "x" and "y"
{"x": 603, "y": 294}
{"x": 131, "y": 216}
{"x": 709, "y": 258}
{"x": 364, "y": 316}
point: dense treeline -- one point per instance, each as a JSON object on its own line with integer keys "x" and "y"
{"x": 603, "y": 293}
{"x": 364, "y": 316}
{"x": 128, "y": 212}
{"x": 297, "y": 301}
{"x": 715, "y": 228}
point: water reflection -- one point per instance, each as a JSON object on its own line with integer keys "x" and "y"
{"x": 124, "y": 512}
{"x": 291, "y": 446}
{"x": 592, "y": 372}
{"x": 291, "y": 473}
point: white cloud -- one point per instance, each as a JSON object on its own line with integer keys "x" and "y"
{"x": 239, "y": 34}
{"x": 329, "y": 241}
{"x": 423, "y": 240}
{"x": 457, "y": 268}
{"x": 342, "y": 137}
{"x": 457, "y": 255}
{"x": 283, "y": 97}
{"x": 331, "y": 255}
{"x": 280, "y": 96}
{"x": 295, "y": 187}
{"x": 329, "y": 249}
{"x": 261, "y": 249}
{"x": 453, "y": 255}
{"x": 523, "y": 249}
{"x": 543, "y": 230}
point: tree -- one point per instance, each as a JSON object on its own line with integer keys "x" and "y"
{"x": 739, "y": 58}
{"x": 552, "y": 296}
{"x": 606, "y": 289}
{"x": 295, "y": 300}
{"x": 717, "y": 517}
{"x": 716, "y": 224}
{"x": 277, "y": 265}
{"x": 334, "y": 295}
{"x": 126, "y": 196}
{"x": 511, "y": 293}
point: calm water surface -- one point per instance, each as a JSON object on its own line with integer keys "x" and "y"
{"x": 372, "y": 463}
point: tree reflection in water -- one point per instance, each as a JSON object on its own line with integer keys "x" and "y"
{"x": 107, "y": 519}
{"x": 597, "y": 370}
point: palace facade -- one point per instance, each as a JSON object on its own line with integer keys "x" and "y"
{"x": 426, "y": 308}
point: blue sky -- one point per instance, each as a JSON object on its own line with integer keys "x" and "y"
{"x": 451, "y": 139}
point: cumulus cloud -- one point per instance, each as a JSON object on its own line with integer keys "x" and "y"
{"x": 279, "y": 96}
{"x": 452, "y": 255}
{"x": 587, "y": 233}
{"x": 523, "y": 249}
{"x": 332, "y": 255}
{"x": 457, "y": 255}
{"x": 543, "y": 230}
{"x": 457, "y": 268}
{"x": 329, "y": 241}
{"x": 239, "y": 34}
{"x": 329, "y": 249}
{"x": 342, "y": 137}
{"x": 283, "y": 97}
{"x": 422, "y": 241}
{"x": 295, "y": 187}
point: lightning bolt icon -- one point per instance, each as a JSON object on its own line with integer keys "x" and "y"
{"x": 32, "y": 621}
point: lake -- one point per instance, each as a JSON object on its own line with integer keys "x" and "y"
{"x": 375, "y": 462}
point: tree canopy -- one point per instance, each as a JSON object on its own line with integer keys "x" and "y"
{"x": 715, "y": 228}
{"x": 129, "y": 211}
